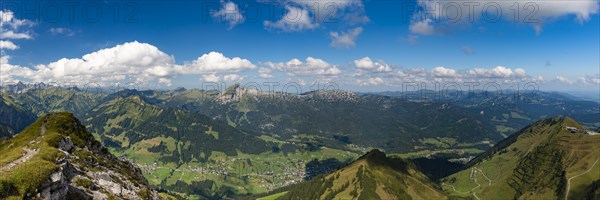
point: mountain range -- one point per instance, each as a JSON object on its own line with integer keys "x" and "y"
{"x": 554, "y": 158}
{"x": 241, "y": 141}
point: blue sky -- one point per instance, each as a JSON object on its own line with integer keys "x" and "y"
{"x": 253, "y": 41}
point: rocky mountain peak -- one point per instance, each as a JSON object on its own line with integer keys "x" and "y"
{"x": 68, "y": 163}
{"x": 236, "y": 92}
{"x": 374, "y": 154}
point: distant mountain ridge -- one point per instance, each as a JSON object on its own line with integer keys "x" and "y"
{"x": 327, "y": 114}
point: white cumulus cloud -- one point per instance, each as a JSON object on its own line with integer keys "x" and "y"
{"x": 497, "y": 72}
{"x": 10, "y": 26}
{"x": 295, "y": 19}
{"x": 229, "y": 13}
{"x": 371, "y": 81}
{"x": 533, "y": 12}
{"x": 563, "y": 79}
{"x": 8, "y": 45}
{"x": 345, "y": 39}
{"x": 351, "y": 12}
{"x": 367, "y": 64}
{"x": 12, "y": 73}
{"x": 215, "y": 62}
{"x": 265, "y": 73}
{"x": 369, "y": 73}
{"x": 13, "y": 35}
{"x": 233, "y": 77}
{"x": 311, "y": 66}
{"x": 422, "y": 27}
{"x": 211, "y": 78}
{"x": 138, "y": 62}
{"x": 444, "y": 72}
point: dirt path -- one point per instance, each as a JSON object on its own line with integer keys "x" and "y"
{"x": 455, "y": 189}
{"x": 484, "y": 176}
{"x": 474, "y": 172}
{"x": 43, "y": 129}
{"x": 28, "y": 155}
{"x": 478, "y": 185}
{"x": 475, "y": 195}
{"x": 569, "y": 181}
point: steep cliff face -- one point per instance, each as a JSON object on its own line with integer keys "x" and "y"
{"x": 56, "y": 158}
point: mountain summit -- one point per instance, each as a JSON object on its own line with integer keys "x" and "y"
{"x": 56, "y": 158}
{"x": 372, "y": 176}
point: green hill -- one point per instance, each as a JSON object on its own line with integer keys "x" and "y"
{"x": 372, "y": 176}
{"x": 551, "y": 159}
{"x": 56, "y": 158}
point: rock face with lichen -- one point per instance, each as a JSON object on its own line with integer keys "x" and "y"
{"x": 66, "y": 163}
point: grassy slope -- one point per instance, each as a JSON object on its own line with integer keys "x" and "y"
{"x": 372, "y": 176}
{"x": 273, "y": 197}
{"x": 533, "y": 164}
{"x": 28, "y": 176}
